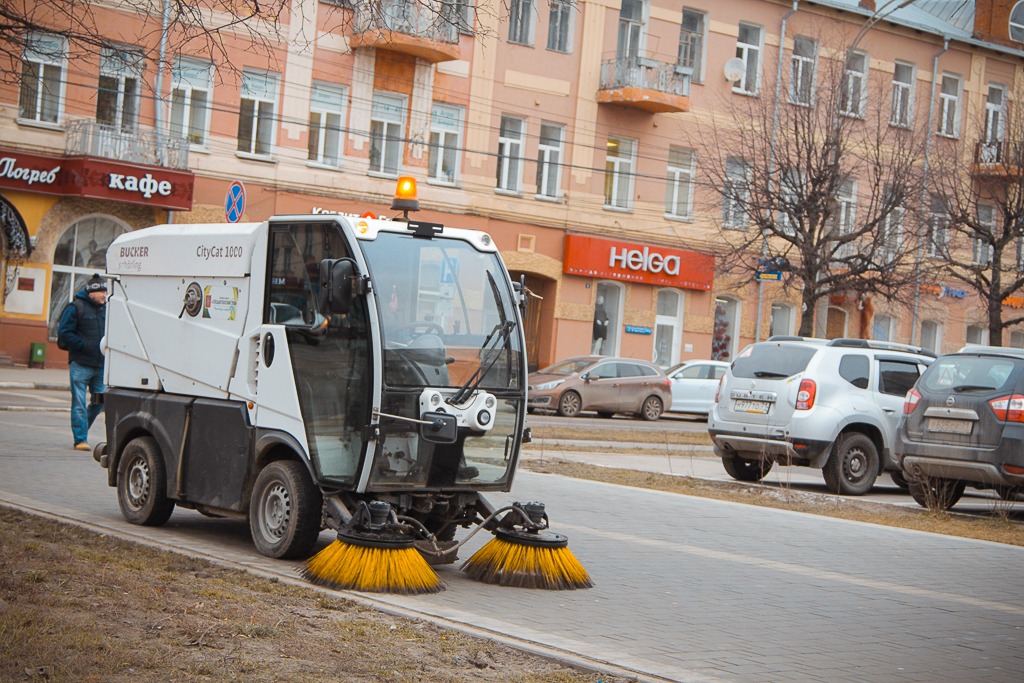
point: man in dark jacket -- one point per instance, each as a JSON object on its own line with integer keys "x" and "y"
{"x": 82, "y": 324}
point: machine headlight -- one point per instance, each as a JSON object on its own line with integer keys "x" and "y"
{"x": 435, "y": 399}
{"x": 483, "y": 418}
{"x": 548, "y": 385}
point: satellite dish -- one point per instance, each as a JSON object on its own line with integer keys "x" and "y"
{"x": 734, "y": 69}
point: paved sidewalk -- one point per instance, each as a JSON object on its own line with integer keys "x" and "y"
{"x": 22, "y": 377}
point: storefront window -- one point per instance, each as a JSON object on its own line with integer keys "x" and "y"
{"x": 668, "y": 327}
{"x": 80, "y": 253}
{"x": 607, "y": 314}
{"x": 724, "y": 333}
{"x": 781, "y": 320}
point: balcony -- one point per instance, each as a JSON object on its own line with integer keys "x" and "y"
{"x": 89, "y": 138}
{"x": 645, "y": 84}
{"x": 411, "y": 27}
{"x": 1002, "y": 159}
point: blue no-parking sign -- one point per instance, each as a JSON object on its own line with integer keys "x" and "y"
{"x": 234, "y": 203}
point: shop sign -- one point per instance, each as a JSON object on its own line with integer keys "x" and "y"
{"x": 944, "y": 292}
{"x": 595, "y": 257}
{"x": 96, "y": 178}
{"x": 1014, "y": 301}
{"x": 637, "y": 329}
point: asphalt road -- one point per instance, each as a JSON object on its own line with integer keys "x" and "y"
{"x": 687, "y": 589}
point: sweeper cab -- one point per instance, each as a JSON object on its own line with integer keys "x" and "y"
{"x": 346, "y": 372}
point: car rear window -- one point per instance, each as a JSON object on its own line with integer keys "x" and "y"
{"x": 772, "y": 360}
{"x": 970, "y": 373}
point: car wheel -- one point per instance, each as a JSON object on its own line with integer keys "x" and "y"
{"x": 1010, "y": 493}
{"x": 284, "y": 512}
{"x": 605, "y": 414}
{"x": 530, "y": 411}
{"x": 569, "y": 404}
{"x": 935, "y": 493}
{"x": 899, "y": 479}
{"x": 742, "y": 469}
{"x": 652, "y": 408}
{"x": 852, "y": 467}
{"x": 142, "y": 483}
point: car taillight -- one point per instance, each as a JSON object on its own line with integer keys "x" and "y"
{"x": 1008, "y": 408}
{"x": 913, "y": 398}
{"x": 719, "y": 389}
{"x": 805, "y": 396}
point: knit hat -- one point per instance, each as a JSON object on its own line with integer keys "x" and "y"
{"x": 96, "y": 284}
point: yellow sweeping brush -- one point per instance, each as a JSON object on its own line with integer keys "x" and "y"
{"x": 546, "y": 562}
{"x": 372, "y": 554}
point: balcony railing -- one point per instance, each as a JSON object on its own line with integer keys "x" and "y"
{"x": 89, "y": 138}
{"x": 645, "y": 83}
{"x": 426, "y": 30}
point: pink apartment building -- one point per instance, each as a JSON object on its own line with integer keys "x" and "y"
{"x": 569, "y": 131}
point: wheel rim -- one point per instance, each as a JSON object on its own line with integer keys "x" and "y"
{"x": 652, "y": 409}
{"x": 570, "y": 404}
{"x": 138, "y": 483}
{"x": 275, "y": 512}
{"x": 855, "y": 465}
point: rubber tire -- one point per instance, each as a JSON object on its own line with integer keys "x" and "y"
{"x": 742, "y": 469}
{"x": 934, "y": 493}
{"x": 857, "y": 449}
{"x": 570, "y": 404}
{"x": 285, "y": 510}
{"x": 142, "y": 483}
{"x": 605, "y": 414}
{"x": 652, "y": 409}
{"x": 899, "y": 479}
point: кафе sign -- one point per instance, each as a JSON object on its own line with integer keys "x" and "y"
{"x": 96, "y": 178}
{"x": 596, "y": 257}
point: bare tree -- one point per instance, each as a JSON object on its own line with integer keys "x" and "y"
{"x": 978, "y": 192}
{"x": 815, "y": 181}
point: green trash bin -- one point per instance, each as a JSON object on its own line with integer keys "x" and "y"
{"x": 37, "y": 354}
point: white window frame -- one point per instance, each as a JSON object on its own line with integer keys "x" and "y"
{"x": 790, "y": 186}
{"x": 995, "y": 114}
{"x": 901, "y": 113}
{"x": 511, "y": 142}
{"x": 1017, "y": 22}
{"x": 782, "y": 315}
{"x": 520, "y": 22}
{"x": 121, "y": 69}
{"x": 981, "y": 250}
{"x": 444, "y": 158}
{"x": 949, "y": 105}
{"x": 803, "y": 64}
{"x": 190, "y": 119}
{"x": 938, "y": 230}
{"x": 891, "y": 238}
{"x": 550, "y": 150}
{"x": 935, "y": 343}
{"x": 855, "y": 84}
{"x": 979, "y": 332}
{"x": 668, "y": 318}
{"x": 883, "y": 322}
{"x": 1017, "y": 339}
{"x": 459, "y": 13}
{"x": 259, "y": 88}
{"x": 47, "y": 54}
{"x": 326, "y": 124}
{"x": 682, "y": 163}
{"x": 750, "y": 53}
{"x": 560, "y": 25}
{"x": 387, "y": 128}
{"x": 632, "y": 35}
{"x": 692, "y": 41}
{"x": 734, "y": 210}
{"x": 619, "y": 173}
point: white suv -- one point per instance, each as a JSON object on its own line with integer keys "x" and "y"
{"x": 828, "y": 404}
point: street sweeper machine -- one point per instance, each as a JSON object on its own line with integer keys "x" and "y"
{"x": 338, "y": 372}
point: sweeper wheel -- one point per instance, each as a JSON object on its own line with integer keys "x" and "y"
{"x": 284, "y": 512}
{"x": 142, "y": 483}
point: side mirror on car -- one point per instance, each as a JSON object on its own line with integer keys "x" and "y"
{"x": 336, "y": 285}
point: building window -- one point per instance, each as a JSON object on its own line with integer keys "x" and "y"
{"x": 1017, "y": 23}
{"x": 881, "y": 329}
{"x": 560, "y": 26}
{"x": 735, "y": 195}
{"x": 42, "y": 78}
{"x": 459, "y": 13}
{"x": 445, "y": 147}
{"x": 949, "y": 106}
{"x": 781, "y": 322}
{"x": 631, "y": 29}
{"x": 608, "y": 309}
{"x": 976, "y": 334}
{"x": 938, "y": 229}
{"x": 256, "y": 115}
{"x": 691, "y": 43}
{"x": 117, "y": 101}
{"x": 891, "y": 238}
{"x": 845, "y": 215}
{"x": 510, "y": 153}
{"x": 903, "y": 79}
{"x": 679, "y": 184}
{"x": 549, "y": 160}
{"x": 931, "y": 335}
{"x": 981, "y": 245}
{"x": 790, "y": 197}
{"x": 387, "y": 121}
{"x": 191, "y": 86}
{"x": 1017, "y": 339}
{"x": 748, "y": 49}
{"x": 520, "y": 22}
{"x": 326, "y": 115}
{"x": 995, "y": 114}
{"x": 801, "y": 81}
{"x": 724, "y": 328}
{"x": 80, "y": 253}
{"x": 855, "y": 79}
{"x": 618, "y": 173}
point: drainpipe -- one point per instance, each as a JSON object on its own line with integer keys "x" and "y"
{"x": 924, "y": 187}
{"x": 771, "y": 152}
{"x": 160, "y": 101}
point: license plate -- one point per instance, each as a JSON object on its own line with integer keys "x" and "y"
{"x": 938, "y": 424}
{"x": 741, "y": 405}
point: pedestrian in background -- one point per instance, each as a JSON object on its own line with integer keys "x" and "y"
{"x": 82, "y": 324}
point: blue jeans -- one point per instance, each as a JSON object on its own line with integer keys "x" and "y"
{"x": 84, "y": 414}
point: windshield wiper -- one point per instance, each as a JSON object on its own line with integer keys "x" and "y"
{"x": 502, "y": 330}
{"x": 972, "y": 387}
{"x": 769, "y": 373}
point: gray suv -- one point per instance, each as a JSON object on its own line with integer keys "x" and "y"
{"x": 828, "y": 404}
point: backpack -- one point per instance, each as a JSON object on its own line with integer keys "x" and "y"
{"x": 62, "y": 341}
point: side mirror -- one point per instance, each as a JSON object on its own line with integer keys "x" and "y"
{"x": 336, "y": 278}
{"x": 443, "y": 428}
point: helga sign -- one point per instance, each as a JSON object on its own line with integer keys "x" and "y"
{"x": 596, "y": 257}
